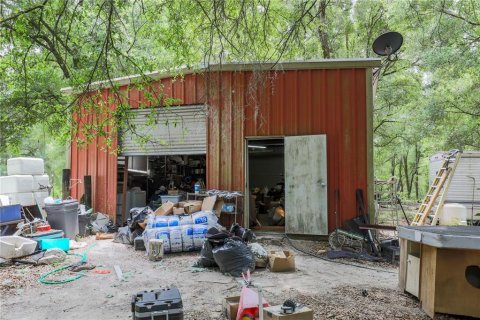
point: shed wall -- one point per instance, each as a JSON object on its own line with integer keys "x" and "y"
{"x": 331, "y": 102}
{"x": 252, "y": 104}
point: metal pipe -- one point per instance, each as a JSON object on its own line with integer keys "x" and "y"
{"x": 260, "y": 302}
{"x": 473, "y": 194}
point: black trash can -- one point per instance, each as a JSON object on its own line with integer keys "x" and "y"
{"x": 64, "y": 216}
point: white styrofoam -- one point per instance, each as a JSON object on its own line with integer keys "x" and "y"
{"x": 40, "y": 197}
{"x": 22, "y": 198}
{"x": 15, "y": 246}
{"x": 16, "y": 183}
{"x": 25, "y": 166}
{"x": 4, "y": 200}
{"x": 39, "y": 181}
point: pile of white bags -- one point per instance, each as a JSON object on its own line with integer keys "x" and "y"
{"x": 180, "y": 233}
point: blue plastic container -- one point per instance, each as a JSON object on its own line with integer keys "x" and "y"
{"x": 10, "y": 213}
{"x": 62, "y": 243}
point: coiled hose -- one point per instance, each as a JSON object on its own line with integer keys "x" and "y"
{"x": 83, "y": 257}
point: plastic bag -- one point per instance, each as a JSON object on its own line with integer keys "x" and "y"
{"x": 199, "y": 232}
{"x": 205, "y": 217}
{"x": 206, "y": 256}
{"x": 234, "y": 257}
{"x": 123, "y": 235}
{"x": 164, "y": 234}
{"x": 248, "y": 304}
{"x": 175, "y": 239}
{"x": 261, "y": 255}
{"x": 187, "y": 238}
{"x": 138, "y": 215}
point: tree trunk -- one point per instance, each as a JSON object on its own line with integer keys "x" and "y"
{"x": 400, "y": 175}
{"x": 322, "y": 29}
{"x": 407, "y": 176}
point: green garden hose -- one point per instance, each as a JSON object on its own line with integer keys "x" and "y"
{"x": 83, "y": 257}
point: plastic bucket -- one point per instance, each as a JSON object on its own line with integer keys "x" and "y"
{"x": 62, "y": 243}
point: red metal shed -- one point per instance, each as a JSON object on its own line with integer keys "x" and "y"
{"x": 329, "y": 97}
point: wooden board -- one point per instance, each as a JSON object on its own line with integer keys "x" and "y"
{"x": 454, "y": 295}
{"x": 402, "y": 273}
{"x": 428, "y": 267}
{"x": 412, "y": 283}
{"x": 306, "y": 185}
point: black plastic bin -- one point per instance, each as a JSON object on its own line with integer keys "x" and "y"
{"x": 159, "y": 304}
{"x": 64, "y": 216}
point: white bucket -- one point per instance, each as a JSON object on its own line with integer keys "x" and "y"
{"x": 155, "y": 249}
{"x": 453, "y": 214}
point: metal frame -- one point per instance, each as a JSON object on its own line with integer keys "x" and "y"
{"x": 246, "y": 191}
{"x": 370, "y": 165}
{"x": 360, "y": 63}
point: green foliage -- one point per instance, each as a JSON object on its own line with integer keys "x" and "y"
{"x": 428, "y": 100}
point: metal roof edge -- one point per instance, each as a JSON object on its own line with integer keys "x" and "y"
{"x": 363, "y": 63}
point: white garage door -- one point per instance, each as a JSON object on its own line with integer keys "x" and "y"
{"x": 165, "y": 131}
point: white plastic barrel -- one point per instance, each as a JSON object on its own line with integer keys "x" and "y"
{"x": 453, "y": 214}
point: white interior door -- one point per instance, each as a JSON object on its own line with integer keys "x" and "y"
{"x": 306, "y": 185}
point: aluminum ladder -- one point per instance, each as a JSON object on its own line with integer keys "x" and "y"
{"x": 441, "y": 182}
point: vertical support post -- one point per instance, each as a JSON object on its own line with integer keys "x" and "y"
{"x": 65, "y": 183}
{"x": 87, "y": 181}
{"x": 124, "y": 190}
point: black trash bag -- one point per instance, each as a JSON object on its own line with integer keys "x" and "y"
{"x": 137, "y": 215}
{"x": 123, "y": 236}
{"x": 234, "y": 257}
{"x": 246, "y": 235}
{"x": 216, "y": 237}
{"x": 206, "y": 256}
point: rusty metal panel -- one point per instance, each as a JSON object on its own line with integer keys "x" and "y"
{"x": 289, "y": 103}
{"x": 251, "y": 103}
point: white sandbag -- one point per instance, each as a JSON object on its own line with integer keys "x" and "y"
{"x": 205, "y": 218}
{"x": 40, "y": 197}
{"x": 16, "y": 183}
{"x": 186, "y": 220}
{"x": 187, "y": 238}
{"x": 161, "y": 222}
{"x": 173, "y": 221}
{"x": 199, "y": 231}
{"x": 40, "y": 182}
{"x": 21, "y": 198}
{"x": 164, "y": 234}
{"x": 25, "y": 166}
{"x": 175, "y": 239}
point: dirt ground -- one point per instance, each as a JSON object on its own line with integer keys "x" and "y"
{"x": 334, "y": 291}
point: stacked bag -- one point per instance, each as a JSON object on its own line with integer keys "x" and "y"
{"x": 182, "y": 233}
{"x": 26, "y": 182}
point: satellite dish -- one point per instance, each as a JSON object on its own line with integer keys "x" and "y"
{"x": 387, "y": 44}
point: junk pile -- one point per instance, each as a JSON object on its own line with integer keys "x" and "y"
{"x": 250, "y": 304}
{"x": 173, "y": 227}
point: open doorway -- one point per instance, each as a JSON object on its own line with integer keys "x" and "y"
{"x": 266, "y": 183}
{"x": 154, "y": 179}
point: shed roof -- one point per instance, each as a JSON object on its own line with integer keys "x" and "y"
{"x": 362, "y": 63}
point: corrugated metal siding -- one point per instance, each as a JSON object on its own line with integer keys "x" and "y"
{"x": 331, "y": 102}
{"x": 461, "y": 187}
{"x": 272, "y": 103}
{"x": 178, "y": 130}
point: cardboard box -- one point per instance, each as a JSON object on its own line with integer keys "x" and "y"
{"x": 230, "y": 307}
{"x": 192, "y": 206}
{"x": 281, "y": 261}
{"x": 275, "y": 313}
{"x": 178, "y": 210}
{"x": 165, "y": 209}
{"x": 209, "y": 203}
